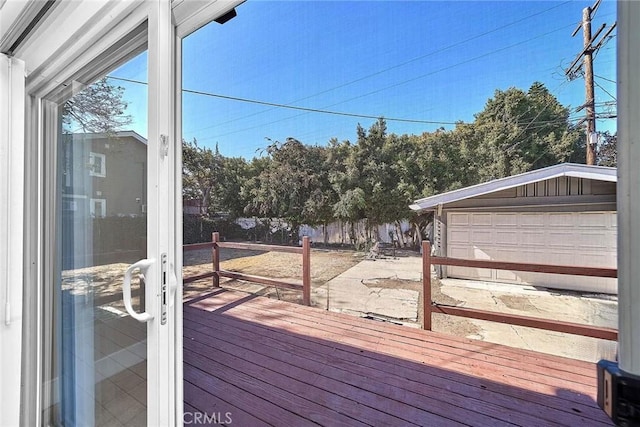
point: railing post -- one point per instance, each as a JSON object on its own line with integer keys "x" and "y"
{"x": 306, "y": 270}
{"x": 215, "y": 256}
{"x": 426, "y": 285}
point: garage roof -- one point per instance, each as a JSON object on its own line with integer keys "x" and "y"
{"x": 600, "y": 173}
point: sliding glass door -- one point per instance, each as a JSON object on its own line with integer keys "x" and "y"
{"x": 109, "y": 352}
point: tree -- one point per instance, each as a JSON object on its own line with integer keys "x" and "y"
{"x": 379, "y": 176}
{"x": 201, "y": 169}
{"x": 520, "y": 131}
{"x": 97, "y": 108}
{"x": 290, "y": 187}
{"x": 367, "y": 184}
{"x": 608, "y": 150}
{"x": 234, "y": 175}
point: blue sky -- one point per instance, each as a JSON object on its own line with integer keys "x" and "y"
{"x": 435, "y": 62}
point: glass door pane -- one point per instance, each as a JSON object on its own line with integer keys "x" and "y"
{"x": 96, "y": 366}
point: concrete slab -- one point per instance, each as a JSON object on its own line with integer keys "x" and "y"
{"x": 405, "y": 268}
{"x": 354, "y": 291}
{"x": 548, "y": 304}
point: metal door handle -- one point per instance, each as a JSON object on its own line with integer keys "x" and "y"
{"x": 173, "y": 286}
{"x": 169, "y": 284}
{"x": 143, "y": 265}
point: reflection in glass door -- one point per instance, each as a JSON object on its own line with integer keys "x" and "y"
{"x": 96, "y": 360}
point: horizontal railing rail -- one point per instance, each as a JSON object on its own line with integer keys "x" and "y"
{"x": 261, "y": 247}
{"x": 533, "y": 268}
{"x": 217, "y": 272}
{"x": 260, "y": 279}
{"x": 197, "y": 246}
{"x": 192, "y": 279}
{"x": 430, "y": 306}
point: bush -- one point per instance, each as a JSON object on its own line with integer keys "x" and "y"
{"x": 199, "y": 229}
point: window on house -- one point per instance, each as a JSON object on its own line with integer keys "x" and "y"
{"x": 98, "y": 208}
{"x": 97, "y": 165}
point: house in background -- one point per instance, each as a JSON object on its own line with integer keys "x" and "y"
{"x": 103, "y": 191}
{"x": 110, "y": 165}
{"x": 563, "y": 215}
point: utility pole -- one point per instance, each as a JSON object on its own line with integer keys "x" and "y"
{"x": 588, "y": 83}
{"x": 589, "y": 48}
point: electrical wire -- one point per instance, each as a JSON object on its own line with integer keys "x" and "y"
{"x": 604, "y": 78}
{"x": 410, "y": 61}
{"x": 399, "y": 84}
{"x": 475, "y": 58}
{"x": 547, "y": 105}
{"x": 604, "y": 90}
{"x": 314, "y": 110}
{"x": 293, "y": 107}
{"x": 347, "y": 114}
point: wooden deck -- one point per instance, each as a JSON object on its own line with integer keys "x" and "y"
{"x": 268, "y": 362}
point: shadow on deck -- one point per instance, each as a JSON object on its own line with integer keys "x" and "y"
{"x": 267, "y": 362}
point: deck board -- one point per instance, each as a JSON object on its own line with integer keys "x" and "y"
{"x": 361, "y": 329}
{"x": 275, "y": 363}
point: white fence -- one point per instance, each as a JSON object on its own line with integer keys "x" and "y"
{"x": 339, "y": 232}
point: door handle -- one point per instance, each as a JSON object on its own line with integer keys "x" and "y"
{"x": 169, "y": 285}
{"x": 143, "y": 265}
{"x": 173, "y": 286}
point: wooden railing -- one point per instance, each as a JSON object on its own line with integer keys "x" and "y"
{"x": 217, "y": 273}
{"x": 430, "y": 306}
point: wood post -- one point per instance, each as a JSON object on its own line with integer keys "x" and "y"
{"x": 215, "y": 255}
{"x": 306, "y": 270}
{"x": 426, "y": 285}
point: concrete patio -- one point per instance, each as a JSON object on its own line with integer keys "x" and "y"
{"x": 356, "y": 292}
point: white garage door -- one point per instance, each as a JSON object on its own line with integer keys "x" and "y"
{"x": 572, "y": 238}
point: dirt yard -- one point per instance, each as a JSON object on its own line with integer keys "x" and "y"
{"x": 103, "y": 285}
{"x": 325, "y": 265}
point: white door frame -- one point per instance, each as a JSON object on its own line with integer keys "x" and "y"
{"x": 162, "y": 356}
{"x": 164, "y": 363}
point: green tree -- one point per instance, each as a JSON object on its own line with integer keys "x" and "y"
{"x": 520, "y": 131}
{"x": 367, "y": 183}
{"x": 290, "y": 186}
{"x": 608, "y": 150}
{"x": 201, "y": 170}
{"x": 234, "y": 175}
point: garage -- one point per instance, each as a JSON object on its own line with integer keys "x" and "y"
{"x": 568, "y": 238}
{"x": 563, "y": 215}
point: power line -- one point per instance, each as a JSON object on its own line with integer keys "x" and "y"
{"x": 410, "y": 80}
{"x": 314, "y": 110}
{"x": 293, "y": 107}
{"x": 604, "y": 90}
{"x": 475, "y": 58}
{"x": 384, "y": 70}
{"x": 324, "y": 111}
{"x": 538, "y": 124}
{"x": 604, "y": 78}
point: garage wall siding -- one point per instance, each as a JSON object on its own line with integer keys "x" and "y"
{"x": 567, "y": 187}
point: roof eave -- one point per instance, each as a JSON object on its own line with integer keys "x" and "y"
{"x": 598, "y": 173}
